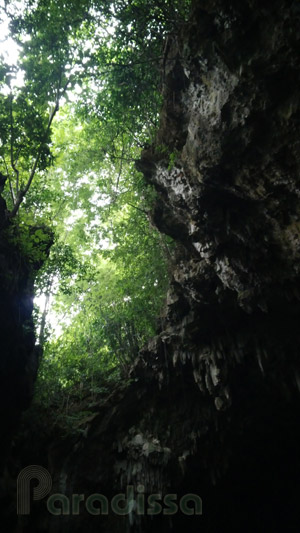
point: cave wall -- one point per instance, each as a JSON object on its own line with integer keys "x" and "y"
{"x": 18, "y": 353}
{"x": 213, "y": 404}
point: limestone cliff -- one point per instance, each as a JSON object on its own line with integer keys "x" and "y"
{"x": 213, "y": 404}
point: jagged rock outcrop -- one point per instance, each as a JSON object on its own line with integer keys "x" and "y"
{"x": 229, "y": 193}
{"x": 213, "y": 405}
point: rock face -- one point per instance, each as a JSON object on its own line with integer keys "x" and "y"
{"x": 18, "y": 354}
{"x": 213, "y": 405}
{"x": 226, "y": 166}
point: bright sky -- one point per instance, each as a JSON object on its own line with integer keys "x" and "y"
{"x": 9, "y": 50}
{"x": 55, "y": 320}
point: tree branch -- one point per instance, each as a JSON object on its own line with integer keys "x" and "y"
{"x": 45, "y": 310}
{"x": 139, "y": 209}
{"x": 12, "y": 194}
{"x": 23, "y": 192}
{"x": 12, "y": 162}
{"x": 121, "y": 164}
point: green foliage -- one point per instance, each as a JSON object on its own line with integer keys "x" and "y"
{"x": 70, "y": 135}
{"x": 31, "y": 240}
{"x": 173, "y": 156}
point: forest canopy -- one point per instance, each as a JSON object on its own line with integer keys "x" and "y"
{"x": 78, "y": 102}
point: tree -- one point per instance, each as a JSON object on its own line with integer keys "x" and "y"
{"x": 117, "y": 292}
{"x": 47, "y": 39}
